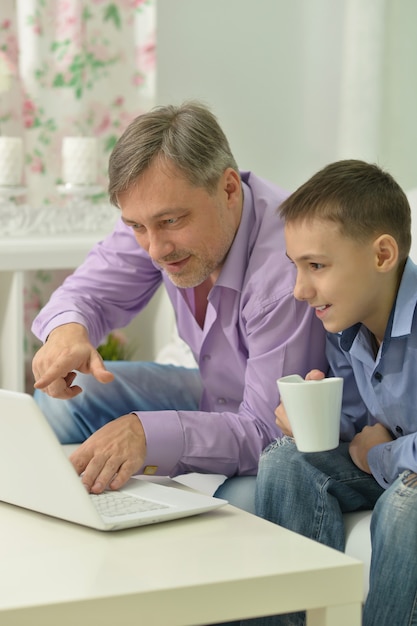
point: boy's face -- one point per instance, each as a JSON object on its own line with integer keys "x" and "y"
{"x": 336, "y": 275}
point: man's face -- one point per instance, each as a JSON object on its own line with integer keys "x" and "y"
{"x": 184, "y": 229}
{"x": 336, "y": 275}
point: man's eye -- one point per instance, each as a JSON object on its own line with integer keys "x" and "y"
{"x": 171, "y": 220}
{"x": 316, "y": 266}
{"x": 138, "y": 227}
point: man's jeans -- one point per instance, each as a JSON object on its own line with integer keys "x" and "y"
{"x": 309, "y": 492}
{"x": 137, "y": 386}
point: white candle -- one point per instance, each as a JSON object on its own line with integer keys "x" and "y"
{"x": 11, "y": 161}
{"x": 79, "y": 160}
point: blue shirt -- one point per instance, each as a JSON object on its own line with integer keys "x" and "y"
{"x": 254, "y": 333}
{"x": 382, "y": 389}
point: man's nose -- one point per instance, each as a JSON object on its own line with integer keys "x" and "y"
{"x": 158, "y": 245}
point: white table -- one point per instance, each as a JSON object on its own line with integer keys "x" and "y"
{"x": 214, "y": 567}
{"x": 17, "y": 255}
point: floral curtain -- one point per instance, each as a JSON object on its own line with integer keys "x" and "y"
{"x": 70, "y": 68}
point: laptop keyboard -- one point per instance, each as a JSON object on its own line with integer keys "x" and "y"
{"x": 115, "y": 504}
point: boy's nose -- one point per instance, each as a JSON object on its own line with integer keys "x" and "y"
{"x": 302, "y": 289}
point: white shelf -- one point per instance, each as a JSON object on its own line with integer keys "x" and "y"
{"x": 45, "y": 252}
{"x": 17, "y": 255}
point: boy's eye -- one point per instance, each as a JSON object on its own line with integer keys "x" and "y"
{"x": 316, "y": 266}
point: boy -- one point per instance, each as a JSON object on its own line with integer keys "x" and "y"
{"x": 348, "y": 232}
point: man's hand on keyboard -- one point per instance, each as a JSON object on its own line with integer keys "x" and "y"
{"x": 112, "y": 454}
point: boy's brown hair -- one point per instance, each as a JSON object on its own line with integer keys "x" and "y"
{"x": 363, "y": 199}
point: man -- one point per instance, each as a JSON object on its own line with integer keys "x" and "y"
{"x": 189, "y": 219}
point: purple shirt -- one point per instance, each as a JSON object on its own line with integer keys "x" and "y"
{"x": 254, "y": 332}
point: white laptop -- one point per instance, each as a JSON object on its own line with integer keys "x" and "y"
{"x": 36, "y": 474}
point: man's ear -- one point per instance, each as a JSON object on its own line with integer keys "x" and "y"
{"x": 232, "y": 185}
{"x": 386, "y": 253}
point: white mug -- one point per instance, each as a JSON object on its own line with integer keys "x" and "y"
{"x": 313, "y": 408}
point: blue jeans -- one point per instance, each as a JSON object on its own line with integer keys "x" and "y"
{"x": 308, "y": 493}
{"x": 138, "y": 386}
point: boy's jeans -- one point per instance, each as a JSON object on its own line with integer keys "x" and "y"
{"x": 309, "y": 493}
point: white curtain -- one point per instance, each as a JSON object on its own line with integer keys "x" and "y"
{"x": 81, "y": 67}
{"x": 361, "y": 79}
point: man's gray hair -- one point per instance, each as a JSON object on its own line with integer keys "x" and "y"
{"x": 187, "y": 136}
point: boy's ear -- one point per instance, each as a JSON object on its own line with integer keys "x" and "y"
{"x": 386, "y": 253}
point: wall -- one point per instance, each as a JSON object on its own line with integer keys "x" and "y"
{"x": 399, "y": 94}
{"x": 297, "y": 84}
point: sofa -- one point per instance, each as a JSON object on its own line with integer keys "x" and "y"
{"x": 164, "y": 343}
{"x": 357, "y": 525}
